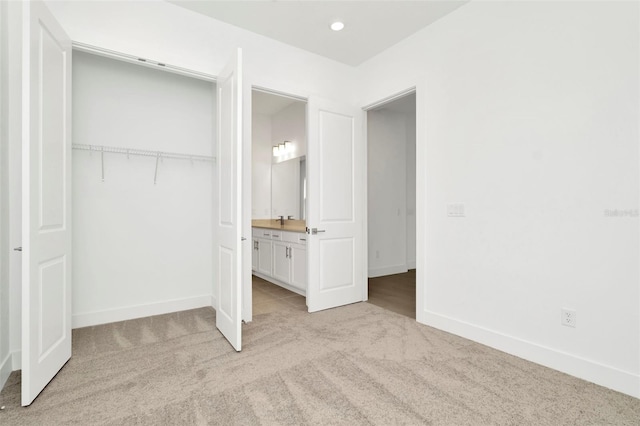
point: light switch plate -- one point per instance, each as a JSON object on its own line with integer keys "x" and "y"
{"x": 455, "y": 210}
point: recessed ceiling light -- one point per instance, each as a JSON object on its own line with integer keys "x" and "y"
{"x": 337, "y": 26}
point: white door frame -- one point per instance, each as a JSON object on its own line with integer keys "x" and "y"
{"x": 420, "y": 187}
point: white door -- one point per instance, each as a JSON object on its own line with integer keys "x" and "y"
{"x": 335, "y": 176}
{"x": 247, "y": 248}
{"x": 228, "y": 227}
{"x": 46, "y": 200}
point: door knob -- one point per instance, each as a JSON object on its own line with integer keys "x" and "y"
{"x": 18, "y": 249}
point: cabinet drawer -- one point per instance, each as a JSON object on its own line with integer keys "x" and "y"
{"x": 276, "y": 235}
{"x": 294, "y": 237}
{"x": 261, "y": 233}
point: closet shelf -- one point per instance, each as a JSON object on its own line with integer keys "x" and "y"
{"x": 142, "y": 152}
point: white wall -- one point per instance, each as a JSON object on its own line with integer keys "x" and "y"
{"x": 10, "y": 184}
{"x": 140, "y": 248}
{"x": 261, "y": 155}
{"x": 528, "y": 114}
{"x": 5, "y": 331}
{"x": 290, "y": 124}
{"x": 411, "y": 189}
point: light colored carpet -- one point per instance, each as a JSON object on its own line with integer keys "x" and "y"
{"x": 358, "y": 364}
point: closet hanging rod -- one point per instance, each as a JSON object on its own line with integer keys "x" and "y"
{"x": 141, "y": 152}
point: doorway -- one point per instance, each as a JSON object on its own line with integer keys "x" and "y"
{"x": 391, "y": 204}
{"x": 278, "y": 197}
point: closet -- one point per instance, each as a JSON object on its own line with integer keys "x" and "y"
{"x": 143, "y": 143}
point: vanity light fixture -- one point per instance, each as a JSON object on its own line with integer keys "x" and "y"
{"x": 337, "y": 26}
{"x": 282, "y": 148}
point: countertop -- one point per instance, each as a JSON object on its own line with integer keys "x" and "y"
{"x": 289, "y": 225}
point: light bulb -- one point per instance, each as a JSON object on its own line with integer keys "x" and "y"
{"x": 337, "y": 26}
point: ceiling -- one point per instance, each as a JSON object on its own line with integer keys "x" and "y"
{"x": 370, "y": 26}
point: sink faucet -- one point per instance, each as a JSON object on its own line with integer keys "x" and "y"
{"x": 281, "y": 220}
{"x": 289, "y": 217}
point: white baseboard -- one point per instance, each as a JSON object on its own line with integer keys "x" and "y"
{"x": 6, "y": 367}
{"x": 388, "y": 270}
{"x": 87, "y": 319}
{"x": 600, "y": 374}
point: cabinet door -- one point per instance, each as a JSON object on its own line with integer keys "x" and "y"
{"x": 255, "y": 255}
{"x": 264, "y": 257}
{"x": 298, "y": 260}
{"x": 281, "y": 261}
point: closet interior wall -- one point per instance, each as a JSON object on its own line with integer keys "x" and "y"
{"x": 140, "y": 248}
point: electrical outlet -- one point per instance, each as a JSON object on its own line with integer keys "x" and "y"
{"x": 568, "y": 317}
{"x": 377, "y": 254}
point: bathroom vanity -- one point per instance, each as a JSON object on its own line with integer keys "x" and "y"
{"x": 280, "y": 253}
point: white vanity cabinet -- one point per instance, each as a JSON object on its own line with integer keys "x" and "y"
{"x": 254, "y": 255}
{"x": 298, "y": 264}
{"x": 281, "y": 265}
{"x": 287, "y": 254}
{"x": 263, "y": 251}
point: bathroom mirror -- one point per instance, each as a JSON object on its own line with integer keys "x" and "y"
{"x": 288, "y": 188}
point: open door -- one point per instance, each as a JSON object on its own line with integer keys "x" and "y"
{"x": 247, "y": 247}
{"x": 46, "y": 199}
{"x": 335, "y": 175}
{"x": 228, "y": 221}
